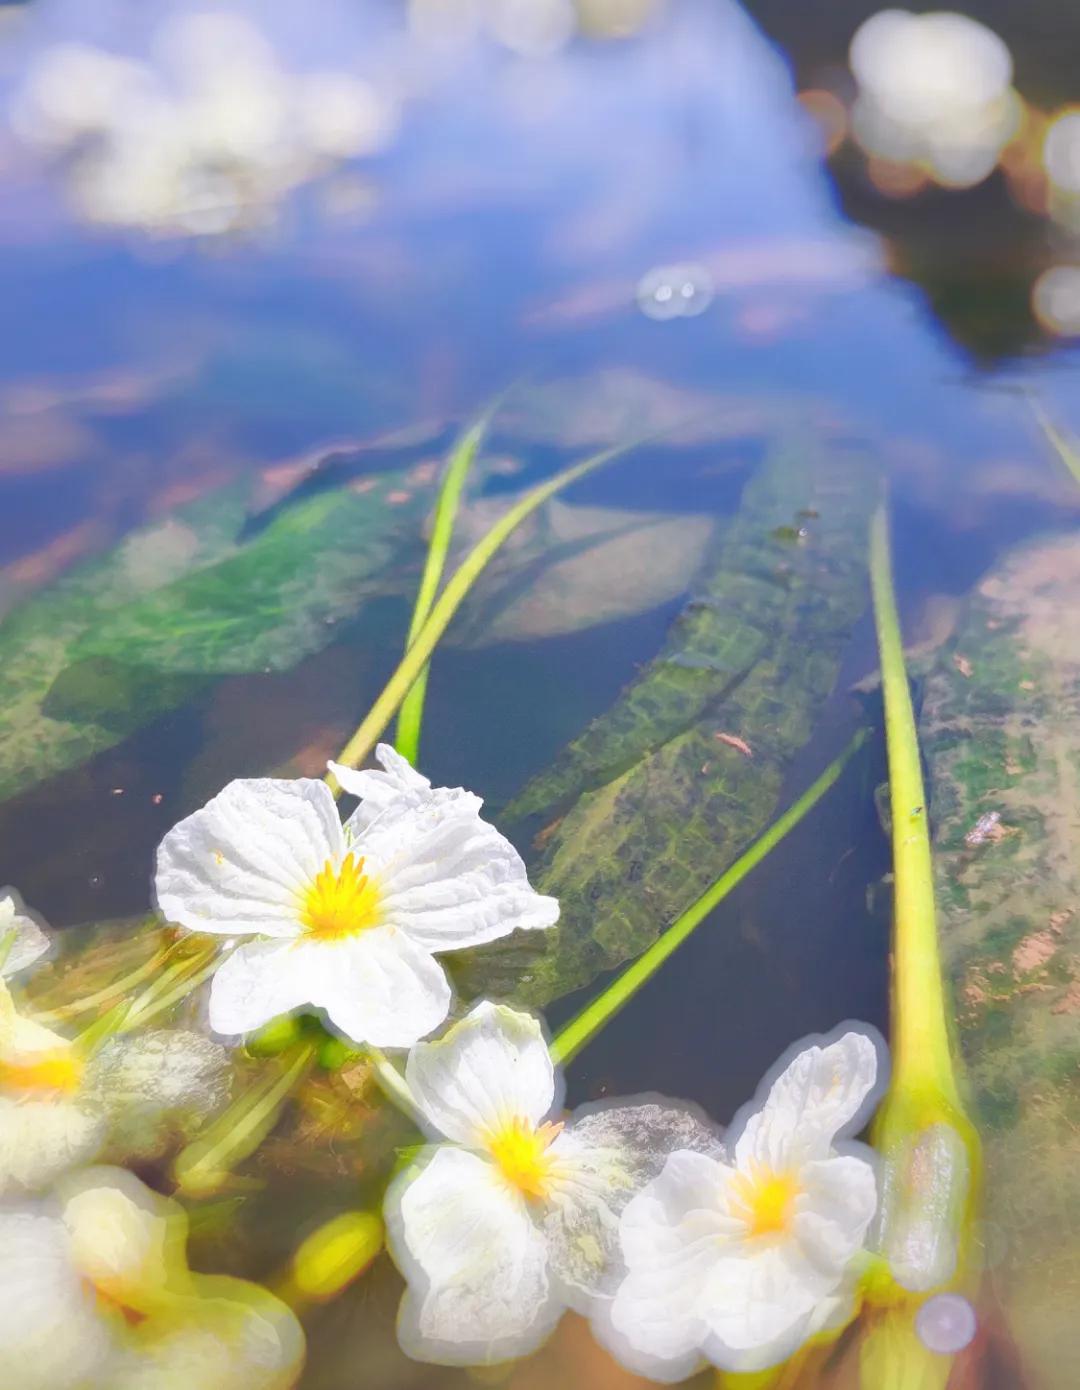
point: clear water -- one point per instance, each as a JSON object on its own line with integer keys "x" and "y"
{"x": 498, "y": 237}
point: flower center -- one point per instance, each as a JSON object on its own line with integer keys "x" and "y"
{"x": 520, "y": 1152}
{"x": 765, "y": 1200}
{"x": 341, "y": 901}
{"x": 59, "y": 1072}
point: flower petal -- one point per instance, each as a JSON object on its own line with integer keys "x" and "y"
{"x": 230, "y": 1336}
{"x": 449, "y": 879}
{"x": 258, "y": 981}
{"x": 672, "y": 1234}
{"x": 604, "y": 1157}
{"x": 40, "y": 1139}
{"x": 821, "y": 1093}
{"x": 759, "y": 1300}
{"x": 398, "y": 785}
{"x": 240, "y": 864}
{"x": 27, "y": 940}
{"x": 474, "y": 1261}
{"x": 378, "y": 986}
{"x": 487, "y": 1069}
{"x": 838, "y": 1204}
{"x": 49, "y": 1326}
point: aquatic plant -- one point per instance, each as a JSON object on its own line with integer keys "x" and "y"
{"x": 513, "y": 1216}
{"x": 928, "y": 1145}
{"x": 411, "y": 713}
{"x": 95, "y": 1293}
{"x": 317, "y": 940}
{"x": 345, "y": 918}
{"x": 739, "y": 1259}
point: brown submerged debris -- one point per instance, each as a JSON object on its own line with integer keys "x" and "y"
{"x": 1034, "y": 951}
{"x": 733, "y": 741}
{"x": 963, "y": 665}
{"x": 987, "y": 827}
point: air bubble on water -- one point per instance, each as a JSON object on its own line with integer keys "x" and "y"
{"x": 946, "y": 1323}
{"x": 675, "y": 292}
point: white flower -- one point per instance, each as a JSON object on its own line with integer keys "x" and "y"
{"x": 95, "y": 1294}
{"x": 344, "y": 918}
{"x": 22, "y": 938}
{"x": 59, "y": 1106}
{"x": 741, "y": 1261}
{"x": 516, "y": 1218}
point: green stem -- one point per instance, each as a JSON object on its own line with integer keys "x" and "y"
{"x": 449, "y": 601}
{"x": 239, "y": 1130}
{"x": 411, "y": 713}
{"x": 580, "y": 1030}
{"x": 1057, "y": 440}
{"x": 393, "y": 1085}
{"x": 174, "y": 984}
{"x": 921, "y": 1052}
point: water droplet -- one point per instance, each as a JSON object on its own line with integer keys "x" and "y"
{"x": 946, "y": 1323}
{"x": 675, "y": 292}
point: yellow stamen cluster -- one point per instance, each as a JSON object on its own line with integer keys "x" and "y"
{"x": 520, "y": 1151}
{"x": 765, "y": 1200}
{"x": 58, "y": 1073}
{"x": 341, "y": 901}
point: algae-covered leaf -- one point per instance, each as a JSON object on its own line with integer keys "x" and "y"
{"x": 272, "y": 602}
{"x": 38, "y": 638}
{"x": 650, "y": 804}
{"x": 1001, "y": 733}
{"x": 570, "y": 568}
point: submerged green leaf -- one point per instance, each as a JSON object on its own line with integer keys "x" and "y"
{"x": 667, "y": 788}
{"x": 272, "y": 602}
{"x": 1000, "y": 728}
{"x": 50, "y": 721}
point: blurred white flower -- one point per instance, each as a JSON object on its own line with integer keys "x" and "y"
{"x": 344, "y": 918}
{"x": 23, "y": 938}
{"x": 740, "y": 1261}
{"x": 59, "y": 1106}
{"x": 935, "y": 91}
{"x": 95, "y": 1294}
{"x": 516, "y": 1217}
{"x": 205, "y": 139}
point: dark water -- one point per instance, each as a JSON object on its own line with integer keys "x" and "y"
{"x": 498, "y": 235}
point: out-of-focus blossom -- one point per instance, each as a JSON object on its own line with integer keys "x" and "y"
{"x": 23, "y": 939}
{"x": 344, "y": 918}
{"x": 740, "y": 1261}
{"x": 1055, "y": 299}
{"x": 934, "y": 92}
{"x": 60, "y": 1105}
{"x": 675, "y": 291}
{"x": 206, "y": 139}
{"x": 531, "y": 28}
{"x": 95, "y": 1294}
{"x": 516, "y": 1217}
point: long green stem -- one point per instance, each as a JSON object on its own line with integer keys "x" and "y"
{"x": 450, "y": 600}
{"x": 1058, "y": 441}
{"x": 582, "y": 1029}
{"x": 921, "y": 1052}
{"x": 239, "y": 1130}
{"x": 929, "y": 1149}
{"x": 411, "y": 713}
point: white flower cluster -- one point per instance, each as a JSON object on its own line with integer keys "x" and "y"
{"x": 206, "y": 139}
{"x": 95, "y": 1293}
{"x": 681, "y": 1246}
{"x": 678, "y": 1245}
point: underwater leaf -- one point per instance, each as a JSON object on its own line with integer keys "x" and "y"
{"x": 642, "y": 812}
{"x": 1003, "y": 750}
{"x": 42, "y": 733}
{"x": 275, "y": 600}
{"x": 571, "y": 568}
